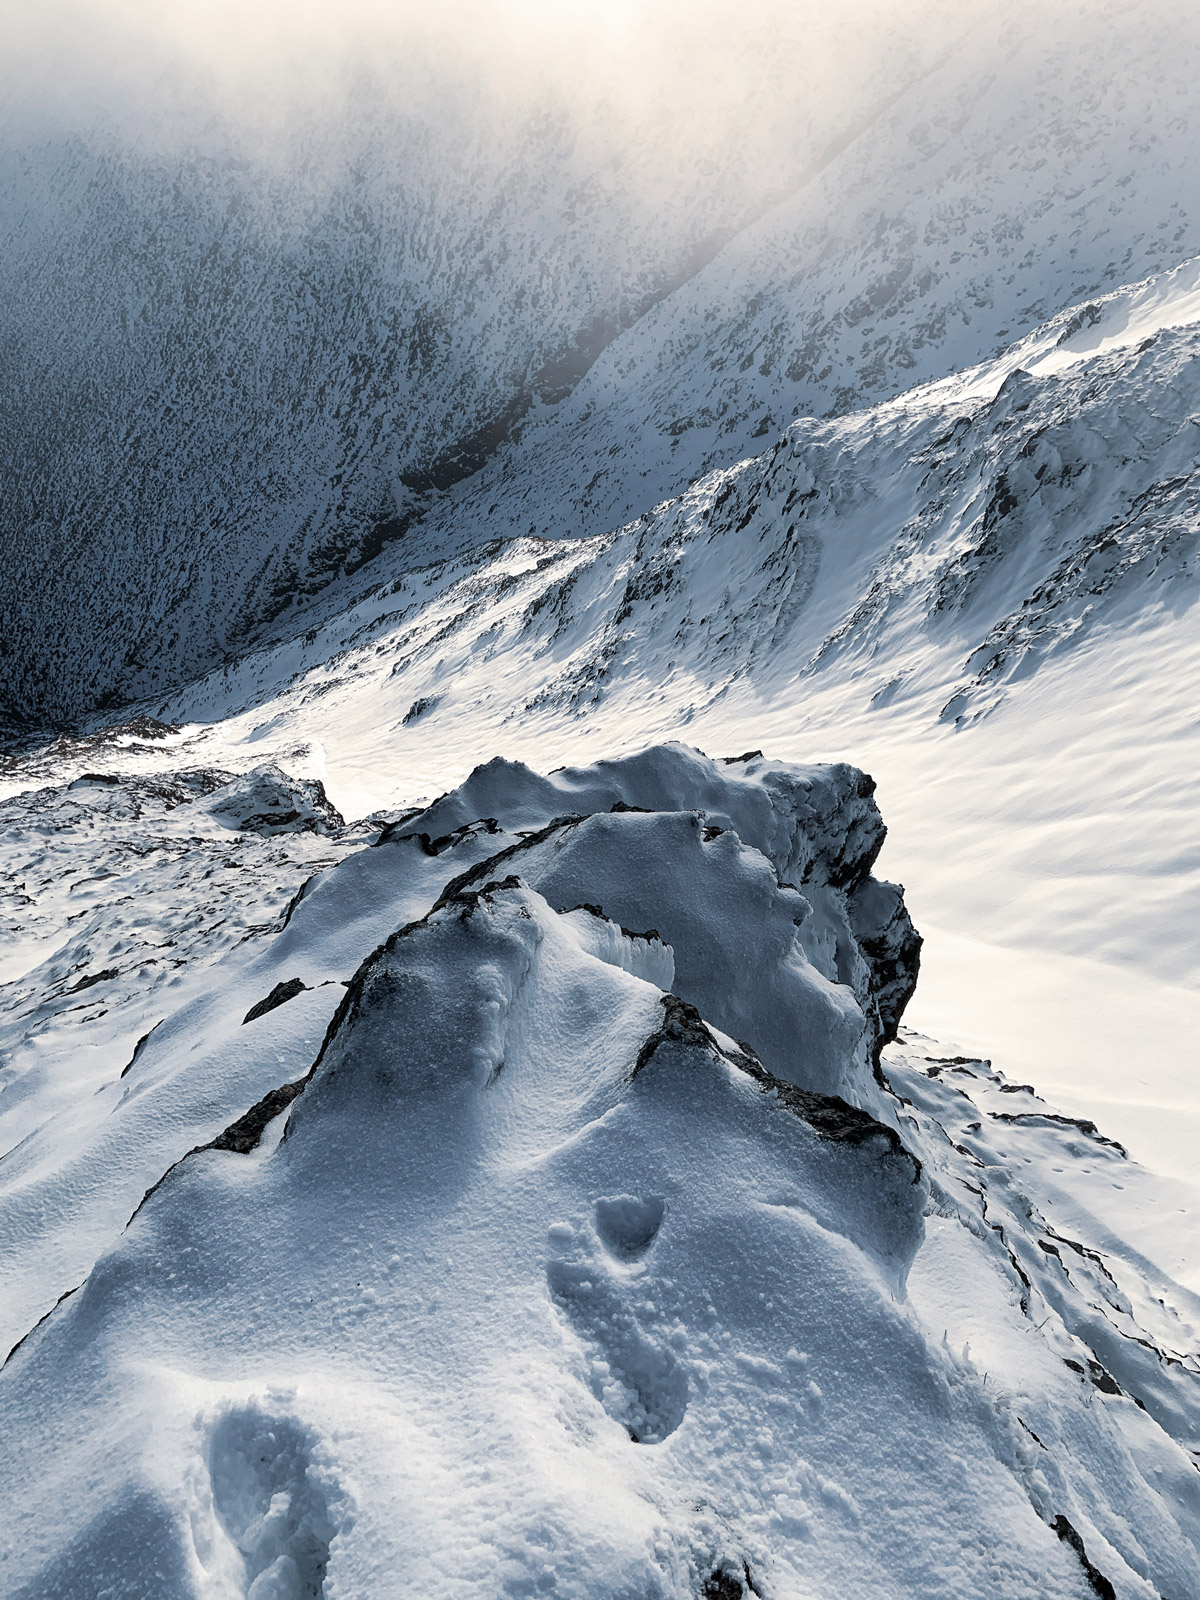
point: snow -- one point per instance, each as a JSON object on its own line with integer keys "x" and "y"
{"x": 541, "y": 1285}
{"x": 528, "y": 1186}
{"x": 1021, "y": 683}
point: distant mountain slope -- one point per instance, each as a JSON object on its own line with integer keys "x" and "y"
{"x": 1004, "y": 563}
{"x": 1049, "y": 159}
{"x": 232, "y": 366}
{"x": 226, "y": 381}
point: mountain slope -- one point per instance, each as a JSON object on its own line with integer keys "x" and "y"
{"x": 232, "y": 378}
{"x": 984, "y": 590}
{"x": 239, "y": 361}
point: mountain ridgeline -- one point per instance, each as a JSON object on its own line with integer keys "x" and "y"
{"x": 229, "y": 381}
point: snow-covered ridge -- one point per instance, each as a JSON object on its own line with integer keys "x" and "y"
{"x": 926, "y": 558}
{"x": 937, "y": 548}
{"x": 937, "y": 586}
{"x": 544, "y": 1279}
{"x": 203, "y": 912}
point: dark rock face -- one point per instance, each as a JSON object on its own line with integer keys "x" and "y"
{"x": 892, "y": 948}
{"x": 682, "y": 1024}
{"x": 1070, "y": 1535}
{"x": 725, "y": 1583}
{"x": 279, "y": 995}
{"x": 244, "y": 1135}
{"x": 93, "y": 978}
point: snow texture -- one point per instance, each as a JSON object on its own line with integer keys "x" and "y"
{"x": 541, "y": 1278}
{"x": 559, "y": 1186}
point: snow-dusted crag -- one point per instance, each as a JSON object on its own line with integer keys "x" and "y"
{"x": 594, "y": 1251}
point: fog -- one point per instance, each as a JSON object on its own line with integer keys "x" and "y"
{"x": 278, "y": 275}
{"x": 771, "y": 78}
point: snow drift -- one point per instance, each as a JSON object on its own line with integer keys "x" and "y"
{"x": 578, "y": 1260}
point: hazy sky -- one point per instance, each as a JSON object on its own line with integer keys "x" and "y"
{"x": 159, "y": 65}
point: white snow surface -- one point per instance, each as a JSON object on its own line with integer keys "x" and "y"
{"x": 526, "y": 1190}
{"x": 547, "y": 1280}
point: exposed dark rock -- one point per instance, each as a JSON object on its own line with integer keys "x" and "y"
{"x": 485, "y": 869}
{"x": 279, "y": 995}
{"x": 600, "y": 913}
{"x": 891, "y": 947}
{"x": 1100, "y": 1376}
{"x": 268, "y": 801}
{"x": 1069, "y": 1535}
{"x": 829, "y": 1116}
{"x": 268, "y": 819}
{"x": 94, "y": 978}
{"x": 395, "y": 828}
{"x": 1103, "y": 1379}
{"x": 420, "y": 707}
{"x": 301, "y": 892}
{"x": 468, "y": 830}
{"x": 244, "y": 1135}
{"x": 683, "y": 1024}
{"x": 725, "y": 1583}
{"x": 139, "y": 1047}
{"x": 1084, "y": 1125}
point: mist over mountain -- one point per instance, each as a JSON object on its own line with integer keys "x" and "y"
{"x": 255, "y": 339}
{"x": 504, "y": 508}
{"x": 251, "y": 335}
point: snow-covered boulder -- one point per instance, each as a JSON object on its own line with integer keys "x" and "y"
{"x": 268, "y": 800}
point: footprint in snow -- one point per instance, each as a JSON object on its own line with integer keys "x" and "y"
{"x": 272, "y": 1503}
{"x": 628, "y": 1226}
{"x": 634, "y": 1375}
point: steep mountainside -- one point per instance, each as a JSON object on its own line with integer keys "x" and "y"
{"x": 230, "y": 380}
{"x": 1048, "y": 159}
{"x": 232, "y": 367}
{"x": 985, "y": 590}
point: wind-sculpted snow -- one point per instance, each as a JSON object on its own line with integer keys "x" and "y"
{"x": 204, "y": 968}
{"x": 558, "y": 1267}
